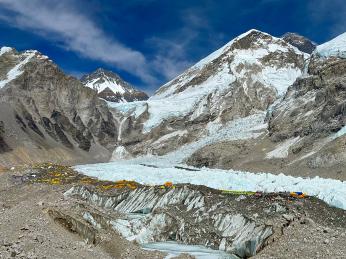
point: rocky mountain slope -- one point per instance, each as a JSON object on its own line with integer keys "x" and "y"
{"x": 112, "y": 87}
{"x": 47, "y": 115}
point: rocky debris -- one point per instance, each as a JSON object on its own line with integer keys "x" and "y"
{"x": 28, "y": 230}
{"x": 74, "y": 225}
{"x": 302, "y": 43}
{"x": 306, "y": 241}
{"x": 112, "y": 87}
{"x": 98, "y": 212}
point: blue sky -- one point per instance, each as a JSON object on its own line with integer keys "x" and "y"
{"x": 148, "y": 42}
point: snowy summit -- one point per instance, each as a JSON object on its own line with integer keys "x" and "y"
{"x": 112, "y": 87}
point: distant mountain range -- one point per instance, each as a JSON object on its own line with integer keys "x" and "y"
{"x": 259, "y": 103}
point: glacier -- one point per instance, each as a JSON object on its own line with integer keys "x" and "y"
{"x": 333, "y": 48}
{"x": 331, "y": 191}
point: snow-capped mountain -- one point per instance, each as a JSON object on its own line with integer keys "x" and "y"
{"x": 305, "y": 132}
{"x": 241, "y": 78}
{"x": 112, "y": 87}
{"x": 301, "y": 42}
{"x": 257, "y": 103}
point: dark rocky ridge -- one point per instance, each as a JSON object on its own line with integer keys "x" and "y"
{"x": 302, "y": 43}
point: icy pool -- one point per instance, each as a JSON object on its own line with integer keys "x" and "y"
{"x": 200, "y": 252}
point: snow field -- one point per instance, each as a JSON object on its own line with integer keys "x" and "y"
{"x": 333, "y": 48}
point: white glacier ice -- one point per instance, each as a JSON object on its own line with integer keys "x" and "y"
{"x": 333, "y": 48}
{"x": 331, "y": 191}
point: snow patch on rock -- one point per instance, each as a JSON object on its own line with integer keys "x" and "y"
{"x": 340, "y": 133}
{"x": 16, "y": 71}
{"x": 4, "y": 50}
{"x": 281, "y": 151}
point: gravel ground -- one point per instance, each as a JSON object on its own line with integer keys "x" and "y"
{"x": 27, "y": 231}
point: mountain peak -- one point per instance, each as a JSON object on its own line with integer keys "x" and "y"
{"x": 251, "y": 31}
{"x": 299, "y": 41}
{"x": 5, "y": 49}
{"x": 111, "y": 87}
{"x": 104, "y": 73}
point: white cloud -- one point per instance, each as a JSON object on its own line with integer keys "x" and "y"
{"x": 59, "y": 20}
{"x": 63, "y": 22}
{"x": 172, "y": 50}
{"x": 170, "y": 57}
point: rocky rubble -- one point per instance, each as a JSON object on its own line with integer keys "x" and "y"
{"x": 53, "y": 206}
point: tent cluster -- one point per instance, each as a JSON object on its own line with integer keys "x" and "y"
{"x": 298, "y": 195}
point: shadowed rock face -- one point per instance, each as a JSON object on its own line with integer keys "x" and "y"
{"x": 44, "y": 107}
{"x": 3, "y": 146}
{"x": 302, "y": 43}
{"x": 112, "y": 87}
{"x": 314, "y": 105}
